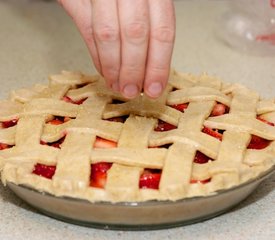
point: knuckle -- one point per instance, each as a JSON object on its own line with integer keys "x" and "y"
{"x": 160, "y": 67}
{"x": 161, "y": 72}
{"x": 163, "y": 34}
{"x": 136, "y": 31}
{"x": 132, "y": 68}
{"x": 87, "y": 33}
{"x": 111, "y": 72}
{"x": 133, "y": 73}
{"x": 106, "y": 34}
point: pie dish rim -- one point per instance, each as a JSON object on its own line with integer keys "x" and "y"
{"x": 232, "y": 197}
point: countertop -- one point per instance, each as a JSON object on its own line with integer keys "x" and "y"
{"x": 37, "y": 38}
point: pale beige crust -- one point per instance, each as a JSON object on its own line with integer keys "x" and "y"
{"x": 232, "y": 163}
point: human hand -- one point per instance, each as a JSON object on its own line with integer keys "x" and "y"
{"x": 130, "y": 41}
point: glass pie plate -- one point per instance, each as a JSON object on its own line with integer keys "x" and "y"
{"x": 138, "y": 215}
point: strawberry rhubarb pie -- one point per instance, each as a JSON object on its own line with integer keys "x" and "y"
{"x": 76, "y": 138}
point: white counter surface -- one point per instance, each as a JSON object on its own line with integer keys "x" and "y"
{"x": 37, "y": 39}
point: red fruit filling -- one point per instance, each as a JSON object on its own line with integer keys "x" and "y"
{"x": 69, "y": 100}
{"x": 150, "y": 179}
{"x": 54, "y": 144}
{"x": 164, "y": 126}
{"x": 180, "y": 107}
{"x": 265, "y": 121}
{"x": 7, "y": 124}
{"x": 56, "y": 122}
{"x": 103, "y": 143}
{"x": 4, "y": 146}
{"x": 44, "y": 170}
{"x": 212, "y": 132}
{"x": 200, "y": 181}
{"x": 219, "y": 109}
{"x": 201, "y": 158}
{"x": 117, "y": 119}
{"x": 258, "y": 143}
{"x": 99, "y": 174}
{"x": 59, "y": 120}
{"x": 11, "y": 123}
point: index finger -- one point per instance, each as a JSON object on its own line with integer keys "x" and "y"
{"x": 162, "y": 36}
{"x": 134, "y": 23}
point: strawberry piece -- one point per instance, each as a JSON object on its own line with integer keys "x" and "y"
{"x": 4, "y": 146}
{"x": 101, "y": 167}
{"x": 258, "y": 143}
{"x": 54, "y": 144}
{"x": 117, "y": 119}
{"x": 149, "y": 179}
{"x": 164, "y": 126}
{"x": 66, "y": 119}
{"x": 200, "y": 181}
{"x": 44, "y": 170}
{"x": 180, "y": 107}
{"x": 265, "y": 121}
{"x": 80, "y": 101}
{"x": 56, "y": 121}
{"x": 11, "y": 123}
{"x": 59, "y": 120}
{"x": 201, "y": 158}
{"x": 69, "y": 100}
{"x": 219, "y": 109}
{"x": 98, "y": 180}
{"x": 99, "y": 174}
{"x": 213, "y": 133}
{"x": 104, "y": 143}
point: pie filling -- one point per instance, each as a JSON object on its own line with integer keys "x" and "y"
{"x": 149, "y": 178}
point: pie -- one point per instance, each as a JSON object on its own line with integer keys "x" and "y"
{"x": 75, "y": 138}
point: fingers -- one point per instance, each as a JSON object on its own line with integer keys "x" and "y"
{"x": 162, "y": 35}
{"x": 134, "y": 26}
{"x": 107, "y": 37}
{"x": 81, "y": 13}
{"x": 131, "y": 42}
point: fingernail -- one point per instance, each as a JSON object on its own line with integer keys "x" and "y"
{"x": 130, "y": 90}
{"x": 115, "y": 87}
{"x": 154, "y": 89}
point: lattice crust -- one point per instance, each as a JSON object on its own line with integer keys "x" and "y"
{"x": 139, "y": 146}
